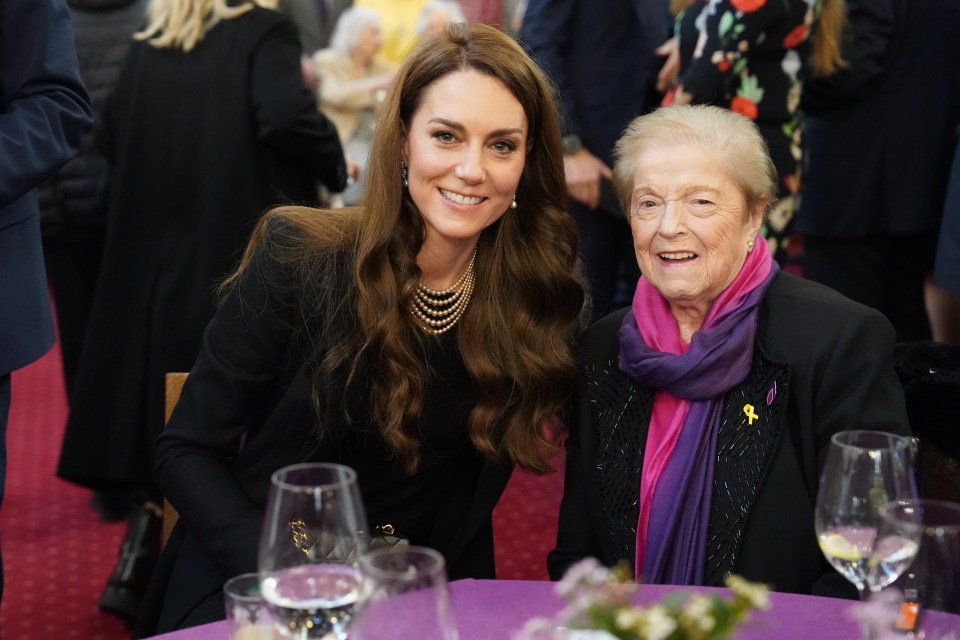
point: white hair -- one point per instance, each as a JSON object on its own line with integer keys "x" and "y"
{"x": 350, "y": 26}
{"x": 449, "y": 7}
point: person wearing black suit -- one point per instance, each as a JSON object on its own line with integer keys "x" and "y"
{"x": 44, "y": 111}
{"x": 879, "y": 135}
{"x": 704, "y": 410}
{"x": 600, "y": 55}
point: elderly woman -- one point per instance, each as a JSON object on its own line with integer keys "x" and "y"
{"x": 706, "y": 407}
{"x": 352, "y": 82}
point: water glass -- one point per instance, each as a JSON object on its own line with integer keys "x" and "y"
{"x": 314, "y": 532}
{"x": 405, "y": 596}
{"x": 863, "y": 471}
{"x": 248, "y": 617}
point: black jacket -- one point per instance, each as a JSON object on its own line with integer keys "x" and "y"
{"x": 830, "y": 360}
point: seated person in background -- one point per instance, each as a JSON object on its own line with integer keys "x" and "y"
{"x": 705, "y": 409}
{"x": 352, "y": 83}
{"x": 353, "y": 336}
{"x": 437, "y": 15}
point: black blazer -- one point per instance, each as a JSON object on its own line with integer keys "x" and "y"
{"x": 244, "y": 412}
{"x": 821, "y": 364}
{"x": 879, "y": 135}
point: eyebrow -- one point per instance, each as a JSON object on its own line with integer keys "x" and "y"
{"x": 459, "y": 127}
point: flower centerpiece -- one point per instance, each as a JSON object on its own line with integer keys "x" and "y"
{"x": 600, "y": 599}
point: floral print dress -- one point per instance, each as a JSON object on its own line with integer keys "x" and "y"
{"x": 748, "y": 56}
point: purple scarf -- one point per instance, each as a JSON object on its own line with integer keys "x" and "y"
{"x": 679, "y": 454}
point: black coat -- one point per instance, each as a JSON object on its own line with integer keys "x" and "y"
{"x": 831, "y": 361}
{"x": 75, "y": 199}
{"x": 879, "y": 134}
{"x": 246, "y": 411}
{"x": 200, "y": 144}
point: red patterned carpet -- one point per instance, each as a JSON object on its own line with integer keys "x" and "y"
{"x": 57, "y": 554}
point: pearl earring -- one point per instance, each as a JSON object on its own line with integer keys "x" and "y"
{"x": 750, "y": 244}
{"x": 513, "y": 204}
{"x": 403, "y": 173}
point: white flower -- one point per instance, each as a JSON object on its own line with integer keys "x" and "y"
{"x": 586, "y": 573}
{"x": 659, "y": 624}
{"x": 629, "y": 619}
{"x": 755, "y": 594}
{"x": 699, "y": 610}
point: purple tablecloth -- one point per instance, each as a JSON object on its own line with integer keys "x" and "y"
{"x": 495, "y": 609}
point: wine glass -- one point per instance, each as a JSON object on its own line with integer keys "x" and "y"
{"x": 863, "y": 471}
{"x": 933, "y": 579}
{"x": 405, "y": 596}
{"x": 314, "y": 532}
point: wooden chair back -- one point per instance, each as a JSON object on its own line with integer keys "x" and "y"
{"x": 172, "y": 387}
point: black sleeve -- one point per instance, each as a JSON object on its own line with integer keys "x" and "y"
{"x": 286, "y": 111}
{"x": 222, "y": 401}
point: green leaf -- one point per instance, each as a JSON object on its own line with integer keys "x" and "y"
{"x": 726, "y": 21}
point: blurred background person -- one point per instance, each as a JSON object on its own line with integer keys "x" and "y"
{"x": 44, "y": 111}
{"x": 600, "y": 56}
{"x": 352, "y": 82}
{"x": 399, "y": 25}
{"x": 315, "y": 21}
{"x": 436, "y": 15}
{"x": 706, "y": 407}
{"x": 750, "y": 56}
{"x": 210, "y": 124}
{"x": 73, "y": 203}
{"x": 943, "y": 296}
{"x": 879, "y": 137}
{"x": 489, "y": 12}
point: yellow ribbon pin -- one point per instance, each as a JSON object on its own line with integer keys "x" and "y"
{"x": 749, "y": 412}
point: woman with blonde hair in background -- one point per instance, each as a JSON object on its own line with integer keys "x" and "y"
{"x": 209, "y": 125}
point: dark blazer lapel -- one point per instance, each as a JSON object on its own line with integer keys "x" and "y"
{"x": 621, "y": 412}
{"x": 752, "y": 424}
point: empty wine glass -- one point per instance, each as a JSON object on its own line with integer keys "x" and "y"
{"x": 863, "y": 471}
{"x": 406, "y": 596}
{"x": 933, "y": 579}
{"x": 314, "y": 532}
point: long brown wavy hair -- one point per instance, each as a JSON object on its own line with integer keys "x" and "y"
{"x": 516, "y": 336}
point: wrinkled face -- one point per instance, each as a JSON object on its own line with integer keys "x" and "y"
{"x": 690, "y": 224}
{"x": 368, "y": 41}
{"x": 465, "y": 150}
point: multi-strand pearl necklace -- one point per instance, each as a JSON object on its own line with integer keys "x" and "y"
{"x": 439, "y": 311}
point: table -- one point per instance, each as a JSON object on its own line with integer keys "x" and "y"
{"x": 495, "y": 609}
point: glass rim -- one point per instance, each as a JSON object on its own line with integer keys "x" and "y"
{"x": 898, "y": 441}
{"x": 348, "y": 477}
{"x": 366, "y": 560}
{"x": 228, "y": 591}
{"x": 886, "y": 512}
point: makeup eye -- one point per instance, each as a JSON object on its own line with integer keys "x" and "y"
{"x": 504, "y": 146}
{"x": 444, "y": 136}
